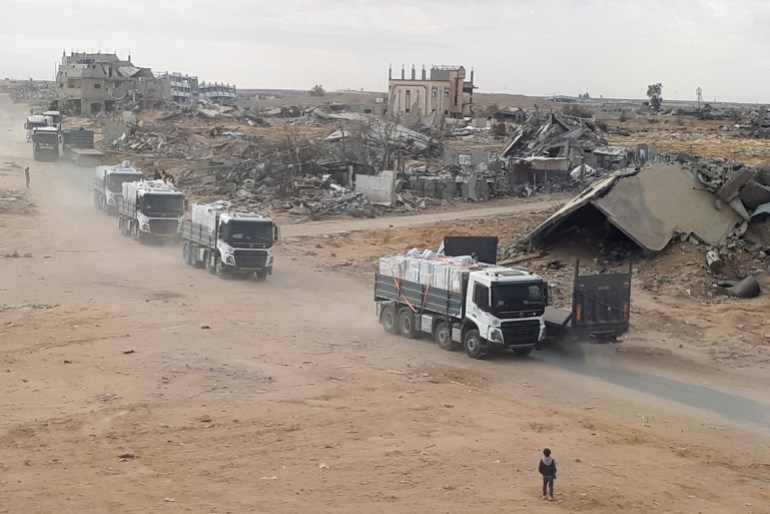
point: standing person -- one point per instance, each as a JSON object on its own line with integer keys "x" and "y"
{"x": 547, "y": 468}
{"x": 26, "y": 175}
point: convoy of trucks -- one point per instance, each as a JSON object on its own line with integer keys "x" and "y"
{"x": 459, "y": 296}
{"x": 108, "y": 184}
{"x": 150, "y": 210}
{"x": 225, "y": 241}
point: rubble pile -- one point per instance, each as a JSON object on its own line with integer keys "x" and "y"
{"x": 13, "y": 201}
{"x": 553, "y": 135}
{"x": 259, "y": 186}
{"x": 726, "y": 233}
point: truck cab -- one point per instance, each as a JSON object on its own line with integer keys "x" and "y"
{"x": 45, "y": 143}
{"x": 55, "y": 119}
{"x": 224, "y": 240}
{"x": 505, "y": 306}
{"x": 108, "y": 184}
{"x": 33, "y": 122}
{"x": 245, "y": 240}
{"x": 150, "y": 209}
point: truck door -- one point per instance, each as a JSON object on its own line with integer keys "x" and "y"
{"x": 478, "y": 305}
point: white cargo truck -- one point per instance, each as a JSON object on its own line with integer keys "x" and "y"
{"x": 461, "y": 302}
{"x": 150, "y": 210}
{"x": 225, "y": 241}
{"x": 108, "y": 184}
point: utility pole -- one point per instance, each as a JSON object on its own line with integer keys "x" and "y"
{"x": 699, "y": 93}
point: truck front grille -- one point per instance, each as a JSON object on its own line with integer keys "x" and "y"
{"x": 250, "y": 259}
{"x": 521, "y": 332}
{"x": 164, "y": 227}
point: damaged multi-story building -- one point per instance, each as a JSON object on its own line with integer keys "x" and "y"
{"x": 91, "y": 83}
{"x": 444, "y": 92}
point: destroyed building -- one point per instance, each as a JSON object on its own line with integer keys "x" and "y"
{"x": 445, "y": 92}
{"x": 93, "y": 83}
{"x": 548, "y": 147}
{"x": 216, "y": 92}
{"x": 89, "y": 83}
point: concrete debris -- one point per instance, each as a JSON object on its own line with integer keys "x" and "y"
{"x": 746, "y": 288}
{"x": 13, "y": 201}
{"x": 554, "y": 135}
{"x": 650, "y": 207}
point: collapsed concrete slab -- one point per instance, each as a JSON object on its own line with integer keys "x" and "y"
{"x": 650, "y": 207}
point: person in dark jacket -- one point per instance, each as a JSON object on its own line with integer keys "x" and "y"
{"x": 547, "y": 468}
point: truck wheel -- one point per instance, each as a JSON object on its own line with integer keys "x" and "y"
{"x": 388, "y": 319}
{"x": 522, "y": 352}
{"x": 211, "y": 262}
{"x": 219, "y": 267}
{"x": 473, "y": 345}
{"x": 186, "y": 253}
{"x": 261, "y": 275}
{"x": 194, "y": 257}
{"x": 442, "y": 334}
{"x": 406, "y": 323}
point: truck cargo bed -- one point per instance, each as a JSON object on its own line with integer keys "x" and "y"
{"x": 421, "y": 297}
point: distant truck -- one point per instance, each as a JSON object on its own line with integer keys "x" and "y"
{"x": 55, "y": 119}
{"x": 45, "y": 144}
{"x": 150, "y": 210}
{"x": 33, "y": 122}
{"x": 601, "y": 308}
{"x": 78, "y": 147}
{"x": 224, "y": 241}
{"x": 482, "y": 309}
{"x": 108, "y": 184}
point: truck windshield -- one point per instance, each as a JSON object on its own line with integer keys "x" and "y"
{"x": 115, "y": 180}
{"x": 511, "y": 298}
{"x": 162, "y": 205}
{"x": 249, "y": 232}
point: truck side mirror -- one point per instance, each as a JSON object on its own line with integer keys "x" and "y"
{"x": 546, "y": 294}
{"x": 276, "y": 233}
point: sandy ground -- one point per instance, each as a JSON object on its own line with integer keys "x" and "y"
{"x": 132, "y": 383}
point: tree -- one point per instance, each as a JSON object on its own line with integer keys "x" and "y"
{"x": 318, "y": 90}
{"x": 655, "y": 94}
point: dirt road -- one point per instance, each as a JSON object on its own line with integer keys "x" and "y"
{"x": 133, "y": 383}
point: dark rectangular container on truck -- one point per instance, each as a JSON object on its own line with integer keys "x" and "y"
{"x": 600, "y": 312}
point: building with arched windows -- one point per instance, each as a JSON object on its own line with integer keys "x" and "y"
{"x": 445, "y": 92}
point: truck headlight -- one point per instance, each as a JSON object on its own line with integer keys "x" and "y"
{"x": 111, "y": 201}
{"x": 496, "y": 336}
{"x": 230, "y": 260}
{"x": 145, "y": 227}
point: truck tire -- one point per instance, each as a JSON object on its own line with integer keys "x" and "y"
{"x": 406, "y": 323}
{"x": 186, "y": 253}
{"x": 388, "y": 319}
{"x": 219, "y": 267}
{"x": 522, "y": 352}
{"x": 210, "y": 262}
{"x": 194, "y": 257}
{"x": 442, "y": 334}
{"x": 473, "y": 344}
{"x": 261, "y": 275}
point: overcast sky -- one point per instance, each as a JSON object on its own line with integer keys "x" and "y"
{"x": 613, "y": 48}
